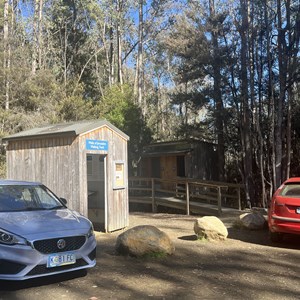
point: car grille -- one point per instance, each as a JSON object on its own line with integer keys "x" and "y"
{"x": 42, "y": 269}
{"x": 50, "y": 246}
{"x": 9, "y": 267}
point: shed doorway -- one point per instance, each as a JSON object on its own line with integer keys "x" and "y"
{"x": 96, "y": 187}
{"x": 155, "y": 162}
{"x": 181, "y": 166}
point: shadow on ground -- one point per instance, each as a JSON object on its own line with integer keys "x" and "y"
{"x": 8, "y": 285}
{"x": 261, "y": 237}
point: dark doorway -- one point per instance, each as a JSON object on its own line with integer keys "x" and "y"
{"x": 180, "y": 166}
{"x": 96, "y": 189}
{"x": 155, "y": 161}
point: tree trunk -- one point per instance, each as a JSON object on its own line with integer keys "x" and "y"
{"x": 35, "y": 37}
{"x": 111, "y": 56}
{"x": 119, "y": 44}
{"x": 107, "y": 47}
{"x": 287, "y": 167}
{"x": 40, "y": 35}
{"x": 139, "y": 64}
{"x": 246, "y": 124}
{"x": 270, "y": 140}
{"x": 6, "y": 54}
{"x": 65, "y": 55}
{"x": 218, "y": 95}
{"x": 281, "y": 43}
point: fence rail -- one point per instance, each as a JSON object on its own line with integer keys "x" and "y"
{"x": 188, "y": 194}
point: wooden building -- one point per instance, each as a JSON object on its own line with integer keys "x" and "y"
{"x": 83, "y": 162}
{"x": 187, "y": 158}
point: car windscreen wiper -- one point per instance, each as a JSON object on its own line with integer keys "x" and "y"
{"x": 56, "y": 207}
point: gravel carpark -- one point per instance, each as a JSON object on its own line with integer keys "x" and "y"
{"x": 245, "y": 266}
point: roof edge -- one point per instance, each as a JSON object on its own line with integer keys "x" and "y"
{"x": 47, "y": 131}
{"x": 71, "y": 133}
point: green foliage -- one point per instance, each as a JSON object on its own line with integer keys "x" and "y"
{"x": 117, "y": 106}
{"x": 155, "y": 255}
{"x": 40, "y": 92}
{"x": 73, "y": 106}
{"x": 74, "y": 42}
{"x": 202, "y": 238}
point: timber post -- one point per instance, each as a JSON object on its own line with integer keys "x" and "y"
{"x": 239, "y": 198}
{"x": 187, "y": 198}
{"x": 153, "y": 195}
{"x": 219, "y": 200}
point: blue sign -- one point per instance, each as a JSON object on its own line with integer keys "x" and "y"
{"x": 96, "y": 145}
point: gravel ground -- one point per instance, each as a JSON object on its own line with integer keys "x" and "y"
{"x": 245, "y": 266}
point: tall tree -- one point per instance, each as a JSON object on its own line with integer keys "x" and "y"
{"x": 6, "y": 54}
{"x": 37, "y": 36}
{"x": 139, "y": 60}
{"x": 216, "y": 23}
{"x": 246, "y": 112}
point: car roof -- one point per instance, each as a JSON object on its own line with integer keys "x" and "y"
{"x": 292, "y": 179}
{"x": 17, "y": 182}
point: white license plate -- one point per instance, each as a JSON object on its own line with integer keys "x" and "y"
{"x": 298, "y": 210}
{"x": 57, "y": 260}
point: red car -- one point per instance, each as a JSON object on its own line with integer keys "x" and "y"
{"x": 284, "y": 211}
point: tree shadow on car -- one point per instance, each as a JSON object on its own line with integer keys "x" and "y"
{"x": 9, "y": 285}
{"x": 261, "y": 237}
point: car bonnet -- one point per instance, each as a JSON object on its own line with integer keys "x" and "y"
{"x": 44, "y": 224}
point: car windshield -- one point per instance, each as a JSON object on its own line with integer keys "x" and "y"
{"x": 291, "y": 190}
{"x": 27, "y": 198}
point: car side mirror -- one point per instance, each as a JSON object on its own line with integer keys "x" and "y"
{"x": 63, "y": 200}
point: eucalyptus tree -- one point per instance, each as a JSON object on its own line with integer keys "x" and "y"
{"x": 288, "y": 26}
{"x": 6, "y": 52}
{"x": 246, "y": 126}
{"x": 69, "y": 46}
{"x": 197, "y": 49}
{"x": 37, "y": 34}
{"x": 154, "y": 19}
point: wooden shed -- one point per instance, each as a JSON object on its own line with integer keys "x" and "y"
{"x": 185, "y": 158}
{"x": 83, "y": 162}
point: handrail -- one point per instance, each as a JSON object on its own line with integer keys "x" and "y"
{"x": 186, "y": 189}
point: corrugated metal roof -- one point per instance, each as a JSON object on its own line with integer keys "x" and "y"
{"x": 64, "y": 129}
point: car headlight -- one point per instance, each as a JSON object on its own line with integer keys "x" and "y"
{"x": 91, "y": 231}
{"x": 8, "y": 238}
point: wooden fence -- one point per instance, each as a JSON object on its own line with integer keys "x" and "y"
{"x": 191, "y": 195}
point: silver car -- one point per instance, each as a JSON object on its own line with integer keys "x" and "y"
{"x": 39, "y": 235}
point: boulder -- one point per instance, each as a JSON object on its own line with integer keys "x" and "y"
{"x": 144, "y": 240}
{"x": 253, "y": 220}
{"x": 210, "y": 228}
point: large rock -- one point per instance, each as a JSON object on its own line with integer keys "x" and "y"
{"x": 210, "y": 228}
{"x": 144, "y": 240}
{"x": 253, "y": 220}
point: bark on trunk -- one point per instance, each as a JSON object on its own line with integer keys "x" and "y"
{"x": 246, "y": 113}
{"x": 6, "y": 54}
{"x": 218, "y": 95}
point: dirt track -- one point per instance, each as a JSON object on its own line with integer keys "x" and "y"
{"x": 245, "y": 266}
